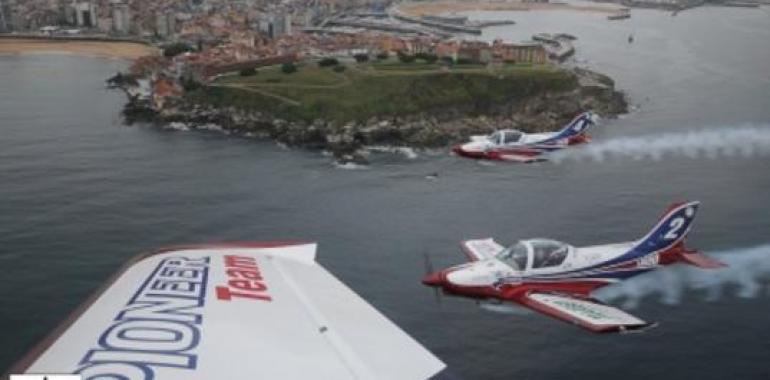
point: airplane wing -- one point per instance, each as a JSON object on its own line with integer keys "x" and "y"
{"x": 587, "y": 313}
{"x": 480, "y": 249}
{"x": 522, "y": 158}
{"x": 252, "y": 310}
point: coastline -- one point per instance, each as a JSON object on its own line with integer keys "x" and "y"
{"x": 418, "y": 9}
{"x": 543, "y": 101}
{"x": 107, "y": 49}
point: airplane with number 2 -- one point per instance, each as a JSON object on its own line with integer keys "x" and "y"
{"x": 557, "y": 279}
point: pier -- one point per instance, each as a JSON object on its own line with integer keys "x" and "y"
{"x": 435, "y": 24}
{"x": 559, "y": 46}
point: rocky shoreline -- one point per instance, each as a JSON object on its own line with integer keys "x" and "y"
{"x": 546, "y": 111}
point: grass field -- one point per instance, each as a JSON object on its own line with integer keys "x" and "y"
{"x": 307, "y": 74}
{"x": 381, "y": 89}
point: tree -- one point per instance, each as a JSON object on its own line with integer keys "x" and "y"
{"x": 405, "y": 58}
{"x": 427, "y": 57}
{"x": 247, "y": 72}
{"x": 360, "y": 58}
{"x": 288, "y": 68}
{"x": 190, "y": 84}
{"x": 326, "y": 62}
{"x": 175, "y": 49}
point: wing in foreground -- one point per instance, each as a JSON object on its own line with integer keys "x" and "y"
{"x": 587, "y": 313}
{"x": 255, "y": 310}
{"x": 480, "y": 249}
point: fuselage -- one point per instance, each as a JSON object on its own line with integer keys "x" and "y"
{"x": 505, "y": 143}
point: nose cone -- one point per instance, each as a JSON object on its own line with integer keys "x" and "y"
{"x": 470, "y": 276}
{"x": 433, "y": 279}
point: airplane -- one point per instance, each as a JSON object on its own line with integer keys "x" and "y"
{"x": 517, "y": 146}
{"x": 557, "y": 279}
{"x": 247, "y": 310}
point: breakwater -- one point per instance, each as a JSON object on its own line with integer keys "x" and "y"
{"x": 559, "y": 46}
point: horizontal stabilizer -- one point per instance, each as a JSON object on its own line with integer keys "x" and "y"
{"x": 699, "y": 260}
{"x": 586, "y": 313}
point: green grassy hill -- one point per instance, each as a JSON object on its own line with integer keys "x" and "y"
{"x": 380, "y": 89}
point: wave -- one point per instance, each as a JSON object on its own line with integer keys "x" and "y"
{"x": 407, "y": 152}
{"x": 350, "y": 166}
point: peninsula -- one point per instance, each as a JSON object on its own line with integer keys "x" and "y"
{"x": 345, "y": 105}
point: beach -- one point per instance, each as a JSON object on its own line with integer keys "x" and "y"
{"x": 111, "y": 49}
{"x": 444, "y": 7}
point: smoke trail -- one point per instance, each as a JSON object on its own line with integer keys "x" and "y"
{"x": 506, "y": 308}
{"x": 739, "y": 141}
{"x": 747, "y": 273}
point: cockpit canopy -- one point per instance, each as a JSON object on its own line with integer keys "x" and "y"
{"x": 534, "y": 254}
{"x": 506, "y": 136}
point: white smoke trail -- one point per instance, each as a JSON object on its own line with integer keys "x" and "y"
{"x": 747, "y": 273}
{"x": 744, "y": 141}
{"x": 505, "y": 308}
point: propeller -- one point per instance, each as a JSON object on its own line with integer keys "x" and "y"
{"x": 428, "y": 271}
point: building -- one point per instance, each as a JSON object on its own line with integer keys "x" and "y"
{"x": 121, "y": 18}
{"x": 163, "y": 89}
{"x": 165, "y": 23}
{"x": 104, "y": 24}
{"x": 85, "y": 14}
{"x": 447, "y": 49}
{"x": 520, "y": 53}
{"x": 275, "y": 25}
{"x": 3, "y": 24}
{"x": 474, "y": 51}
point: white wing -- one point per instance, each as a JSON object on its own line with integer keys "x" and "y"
{"x": 586, "y": 313}
{"x": 230, "y": 312}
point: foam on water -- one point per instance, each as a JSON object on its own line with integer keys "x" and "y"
{"x": 407, "y": 152}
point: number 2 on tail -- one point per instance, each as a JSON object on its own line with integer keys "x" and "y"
{"x": 675, "y": 225}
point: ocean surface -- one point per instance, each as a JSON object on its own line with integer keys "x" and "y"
{"x": 80, "y": 193}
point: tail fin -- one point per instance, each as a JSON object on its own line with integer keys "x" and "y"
{"x": 671, "y": 229}
{"x": 668, "y": 235}
{"x": 577, "y": 127}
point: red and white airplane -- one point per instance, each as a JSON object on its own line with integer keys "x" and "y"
{"x": 557, "y": 279}
{"x": 514, "y": 145}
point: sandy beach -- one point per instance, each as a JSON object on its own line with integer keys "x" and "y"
{"x": 444, "y": 7}
{"x": 126, "y": 50}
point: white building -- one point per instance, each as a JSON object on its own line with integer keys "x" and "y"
{"x": 85, "y": 14}
{"x": 121, "y": 18}
{"x": 165, "y": 23}
{"x": 275, "y": 25}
